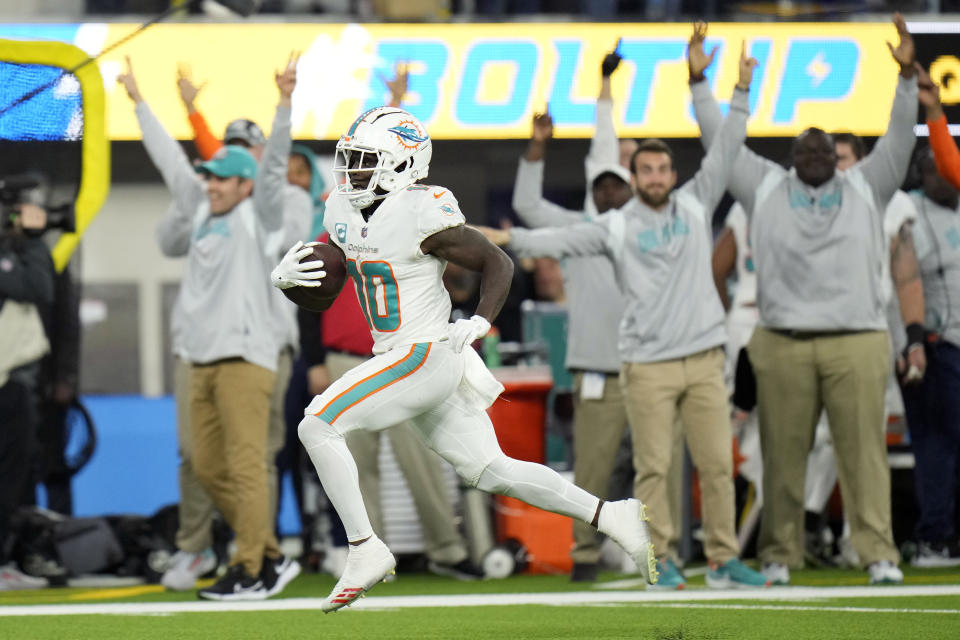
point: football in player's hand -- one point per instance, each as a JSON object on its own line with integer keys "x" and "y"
{"x": 320, "y": 298}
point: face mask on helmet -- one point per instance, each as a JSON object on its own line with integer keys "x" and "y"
{"x": 385, "y": 151}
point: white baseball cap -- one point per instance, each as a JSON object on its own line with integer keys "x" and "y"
{"x": 616, "y": 169}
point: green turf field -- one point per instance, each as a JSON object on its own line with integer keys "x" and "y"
{"x": 821, "y": 604}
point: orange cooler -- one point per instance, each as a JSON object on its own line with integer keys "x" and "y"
{"x": 520, "y": 413}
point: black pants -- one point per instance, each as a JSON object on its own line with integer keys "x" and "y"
{"x": 933, "y": 417}
{"x": 17, "y": 424}
{"x": 54, "y": 474}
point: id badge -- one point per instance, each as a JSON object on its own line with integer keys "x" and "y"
{"x": 591, "y": 388}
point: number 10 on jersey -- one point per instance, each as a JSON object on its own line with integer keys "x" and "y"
{"x": 377, "y": 292}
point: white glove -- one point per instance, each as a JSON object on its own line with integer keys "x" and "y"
{"x": 293, "y": 273}
{"x": 464, "y": 331}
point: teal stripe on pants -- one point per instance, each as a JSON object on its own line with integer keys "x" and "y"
{"x": 386, "y": 377}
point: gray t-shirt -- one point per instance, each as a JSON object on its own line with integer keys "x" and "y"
{"x": 819, "y": 251}
{"x": 225, "y": 307}
{"x": 936, "y": 235}
{"x": 661, "y": 258}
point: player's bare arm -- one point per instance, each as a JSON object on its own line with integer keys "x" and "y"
{"x": 723, "y": 263}
{"x": 905, "y": 269}
{"x": 468, "y": 248}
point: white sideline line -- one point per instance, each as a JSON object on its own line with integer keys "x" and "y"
{"x": 784, "y": 594}
{"x": 627, "y": 583}
{"x": 770, "y": 607}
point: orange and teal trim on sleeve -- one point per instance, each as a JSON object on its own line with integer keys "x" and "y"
{"x": 376, "y": 382}
{"x": 945, "y": 152}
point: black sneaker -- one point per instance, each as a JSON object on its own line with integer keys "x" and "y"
{"x": 276, "y": 573}
{"x": 584, "y": 572}
{"x": 236, "y": 584}
{"x": 463, "y": 570}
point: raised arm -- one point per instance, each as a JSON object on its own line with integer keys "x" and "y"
{"x": 206, "y": 143}
{"x": 604, "y": 146}
{"x": 748, "y": 168}
{"x": 709, "y": 183}
{"x": 268, "y": 189}
{"x": 886, "y": 166}
{"x": 528, "y": 200}
{"x": 183, "y": 182}
{"x": 398, "y": 86}
{"x": 945, "y": 152}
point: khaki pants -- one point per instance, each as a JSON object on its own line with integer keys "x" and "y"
{"x": 229, "y": 414}
{"x": 847, "y": 375}
{"x": 598, "y": 425}
{"x": 422, "y": 470}
{"x": 277, "y": 428}
{"x": 653, "y": 394}
{"x": 196, "y": 507}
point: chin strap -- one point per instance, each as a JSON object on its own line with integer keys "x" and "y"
{"x": 367, "y": 198}
{"x": 362, "y": 200}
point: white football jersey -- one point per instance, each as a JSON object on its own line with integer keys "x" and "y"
{"x": 400, "y": 289}
{"x": 746, "y": 291}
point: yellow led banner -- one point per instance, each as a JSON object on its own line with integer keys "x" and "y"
{"x": 486, "y": 80}
{"x": 95, "y": 148}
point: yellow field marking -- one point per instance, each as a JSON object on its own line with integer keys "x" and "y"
{"x": 119, "y": 592}
{"x": 127, "y": 592}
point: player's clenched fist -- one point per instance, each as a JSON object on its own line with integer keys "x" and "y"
{"x": 465, "y": 331}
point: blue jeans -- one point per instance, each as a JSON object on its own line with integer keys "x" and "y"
{"x": 933, "y": 417}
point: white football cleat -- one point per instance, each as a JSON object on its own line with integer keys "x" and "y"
{"x": 625, "y": 522}
{"x": 776, "y": 573}
{"x": 185, "y": 568}
{"x": 12, "y": 578}
{"x": 367, "y": 564}
{"x": 884, "y": 572}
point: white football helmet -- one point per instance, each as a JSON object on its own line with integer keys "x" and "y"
{"x": 390, "y": 143}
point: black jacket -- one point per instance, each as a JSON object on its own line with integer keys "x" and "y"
{"x": 26, "y": 271}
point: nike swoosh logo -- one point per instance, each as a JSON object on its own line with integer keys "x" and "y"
{"x": 439, "y": 195}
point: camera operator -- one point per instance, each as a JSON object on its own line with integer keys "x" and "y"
{"x": 26, "y": 289}
{"x": 57, "y": 390}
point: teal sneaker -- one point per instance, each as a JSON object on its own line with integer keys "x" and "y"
{"x": 735, "y": 575}
{"x": 670, "y": 577}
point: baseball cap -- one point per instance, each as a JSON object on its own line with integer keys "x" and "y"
{"x": 229, "y": 161}
{"x": 616, "y": 169}
{"x": 246, "y": 130}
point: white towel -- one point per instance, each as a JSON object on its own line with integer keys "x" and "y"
{"x": 478, "y": 382}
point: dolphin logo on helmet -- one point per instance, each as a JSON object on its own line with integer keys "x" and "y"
{"x": 390, "y": 145}
{"x": 407, "y": 133}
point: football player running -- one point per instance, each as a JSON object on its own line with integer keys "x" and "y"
{"x": 397, "y": 236}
